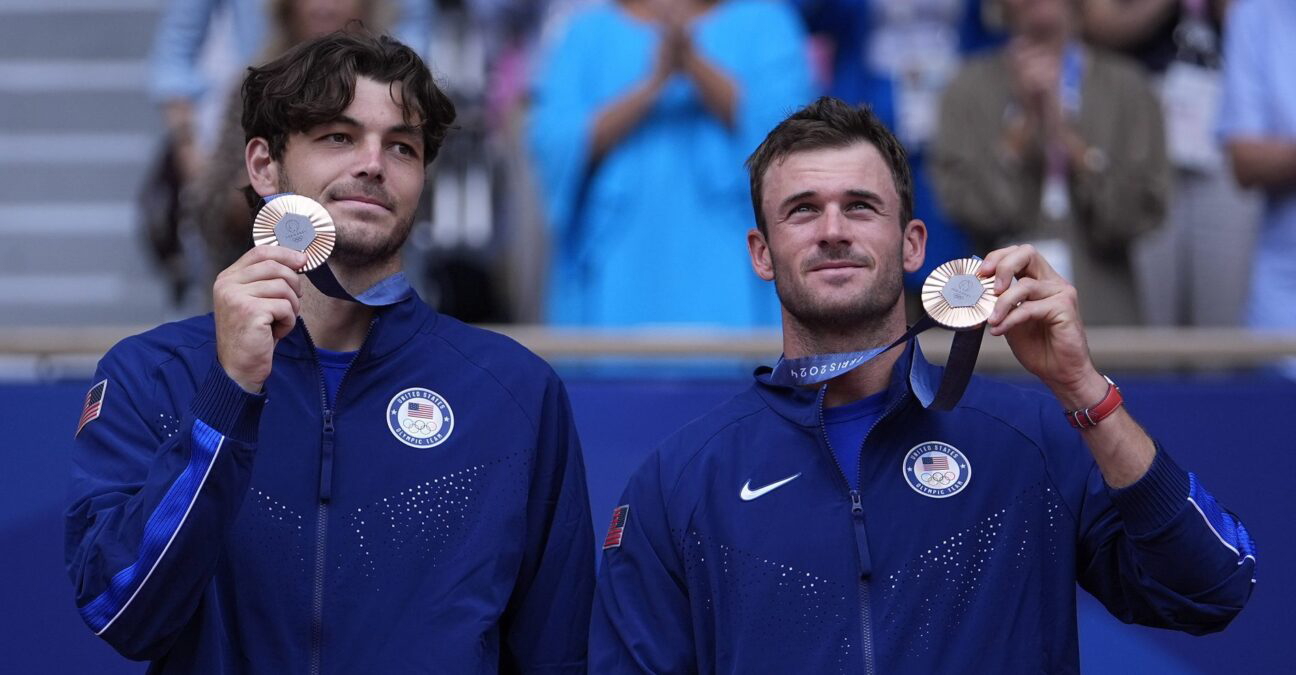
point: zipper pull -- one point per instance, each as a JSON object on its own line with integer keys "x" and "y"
{"x": 861, "y": 536}
{"x": 326, "y": 458}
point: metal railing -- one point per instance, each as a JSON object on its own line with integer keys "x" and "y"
{"x": 51, "y": 351}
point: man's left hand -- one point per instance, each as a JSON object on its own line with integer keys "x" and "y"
{"x": 1039, "y": 313}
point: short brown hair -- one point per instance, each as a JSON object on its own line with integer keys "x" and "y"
{"x": 314, "y": 82}
{"x": 831, "y": 123}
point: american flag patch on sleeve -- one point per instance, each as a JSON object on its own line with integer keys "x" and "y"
{"x": 93, "y": 404}
{"x": 619, "y": 516}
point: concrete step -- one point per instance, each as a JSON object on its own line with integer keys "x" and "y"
{"x": 70, "y": 183}
{"x": 77, "y": 132}
{"x": 53, "y": 147}
{"x": 79, "y": 112}
{"x": 91, "y": 33}
{"x": 50, "y": 219}
{"x": 67, "y": 298}
{"x": 32, "y": 75}
{"x": 89, "y": 253}
{"x": 29, "y": 6}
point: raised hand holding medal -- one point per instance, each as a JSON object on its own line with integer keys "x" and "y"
{"x": 258, "y": 298}
{"x": 255, "y": 304}
{"x": 1039, "y": 315}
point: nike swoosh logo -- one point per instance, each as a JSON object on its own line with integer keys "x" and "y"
{"x": 749, "y": 494}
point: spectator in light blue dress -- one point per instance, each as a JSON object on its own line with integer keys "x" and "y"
{"x": 1258, "y": 123}
{"x": 644, "y": 111}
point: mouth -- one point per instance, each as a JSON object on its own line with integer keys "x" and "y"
{"x": 362, "y": 199}
{"x": 835, "y": 265}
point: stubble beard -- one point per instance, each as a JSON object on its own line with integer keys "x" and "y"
{"x": 861, "y": 315}
{"x": 358, "y": 252}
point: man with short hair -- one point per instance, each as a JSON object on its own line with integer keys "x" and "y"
{"x": 855, "y": 528}
{"x": 302, "y": 483}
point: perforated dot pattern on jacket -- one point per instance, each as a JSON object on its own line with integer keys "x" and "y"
{"x": 412, "y": 530}
{"x": 167, "y": 425}
{"x": 770, "y": 604}
{"x": 272, "y": 530}
{"x": 1007, "y": 549}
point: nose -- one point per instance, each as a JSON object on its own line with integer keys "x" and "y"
{"x": 833, "y": 228}
{"x": 369, "y": 161}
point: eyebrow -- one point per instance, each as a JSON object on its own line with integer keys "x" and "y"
{"x": 397, "y": 129}
{"x": 867, "y": 195}
{"x": 804, "y": 194}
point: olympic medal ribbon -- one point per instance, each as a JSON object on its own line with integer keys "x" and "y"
{"x": 955, "y": 298}
{"x": 817, "y": 368}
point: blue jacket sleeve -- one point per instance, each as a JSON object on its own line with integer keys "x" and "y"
{"x": 1160, "y": 552}
{"x": 157, "y": 480}
{"x": 544, "y": 626}
{"x": 642, "y": 621}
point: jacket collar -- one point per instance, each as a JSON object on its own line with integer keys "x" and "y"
{"x": 911, "y": 375}
{"x": 393, "y": 326}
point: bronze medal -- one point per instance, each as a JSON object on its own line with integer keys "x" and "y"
{"x": 956, "y": 298}
{"x": 299, "y": 223}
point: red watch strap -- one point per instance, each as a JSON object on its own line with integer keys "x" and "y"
{"x": 1087, "y": 418}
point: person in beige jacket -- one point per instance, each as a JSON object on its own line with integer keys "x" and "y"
{"x": 1047, "y": 141}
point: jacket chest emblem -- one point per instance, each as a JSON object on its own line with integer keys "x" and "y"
{"x": 937, "y": 470}
{"x": 420, "y": 418}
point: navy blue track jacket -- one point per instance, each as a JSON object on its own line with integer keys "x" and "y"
{"x": 435, "y": 521}
{"x": 740, "y": 547}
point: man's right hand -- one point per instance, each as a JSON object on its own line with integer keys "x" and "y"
{"x": 256, "y": 301}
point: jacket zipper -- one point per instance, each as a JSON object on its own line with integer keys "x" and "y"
{"x": 861, "y": 534}
{"x": 325, "y": 495}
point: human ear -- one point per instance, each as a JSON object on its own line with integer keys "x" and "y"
{"x": 915, "y": 245}
{"x": 263, "y": 170}
{"x": 758, "y": 248}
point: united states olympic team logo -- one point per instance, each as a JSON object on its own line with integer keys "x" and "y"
{"x": 420, "y": 418}
{"x": 937, "y": 470}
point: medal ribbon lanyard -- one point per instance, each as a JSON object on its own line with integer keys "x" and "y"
{"x": 952, "y": 289}
{"x": 819, "y": 368}
{"x": 387, "y": 291}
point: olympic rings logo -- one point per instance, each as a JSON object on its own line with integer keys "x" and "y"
{"x": 938, "y": 477}
{"x": 417, "y": 426}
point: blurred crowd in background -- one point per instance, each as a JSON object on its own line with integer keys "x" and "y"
{"x": 596, "y": 178}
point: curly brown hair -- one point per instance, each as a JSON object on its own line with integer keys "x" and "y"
{"x": 831, "y": 123}
{"x": 314, "y": 82}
